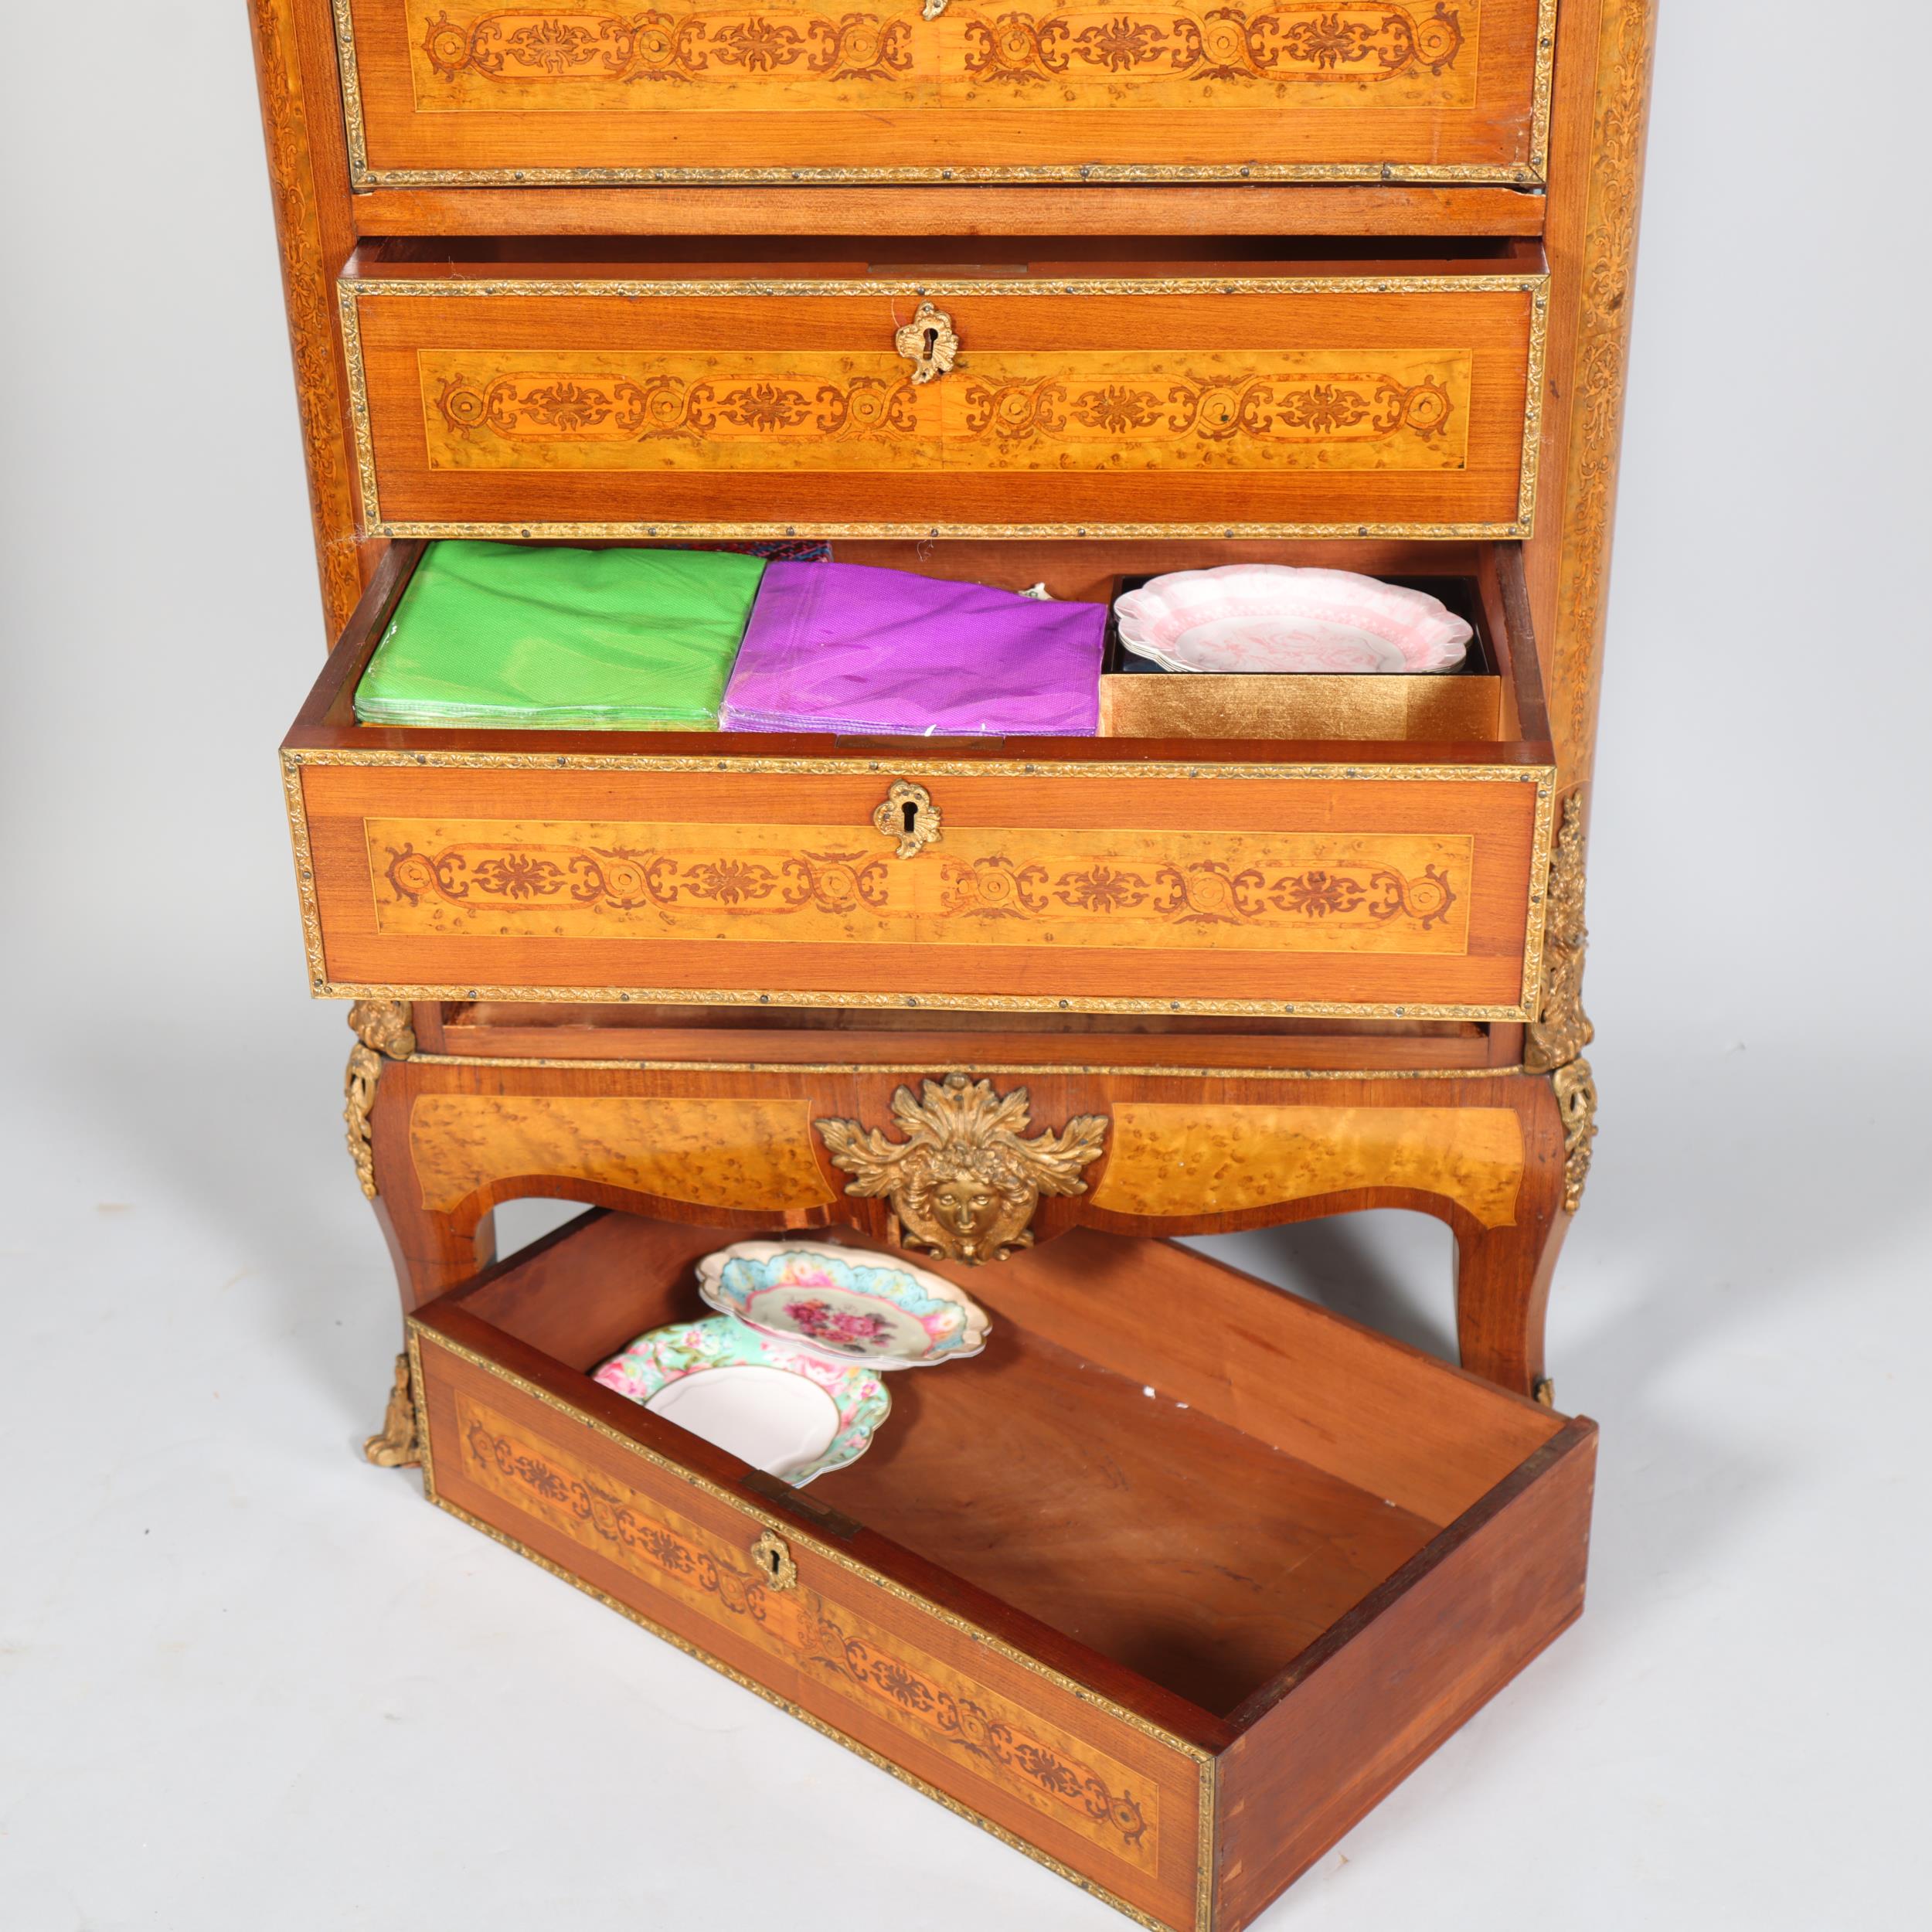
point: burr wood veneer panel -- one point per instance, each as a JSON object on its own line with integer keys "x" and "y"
{"x": 1169, "y": 1159}
{"x": 732, "y": 1153}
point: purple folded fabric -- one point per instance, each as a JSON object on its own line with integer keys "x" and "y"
{"x": 845, "y": 648}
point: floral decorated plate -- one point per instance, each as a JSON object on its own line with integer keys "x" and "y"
{"x": 783, "y": 1408}
{"x": 1275, "y": 618}
{"x": 849, "y": 1306}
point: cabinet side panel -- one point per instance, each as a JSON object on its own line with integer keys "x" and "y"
{"x": 308, "y": 179}
{"x": 1402, "y": 1671}
{"x": 1603, "y": 70}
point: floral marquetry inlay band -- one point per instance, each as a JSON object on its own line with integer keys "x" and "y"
{"x": 787, "y": 411}
{"x": 778, "y": 415}
{"x": 1223, "y": 406}
{"x": 1388, "y": 893}
{"x": 789, "y": 54}
{"x": 547, "y": 45}
{"x": 829, "y": 1645}
{"x": 1305, "y": 42}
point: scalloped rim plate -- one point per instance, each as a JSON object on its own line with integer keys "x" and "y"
{"x": 1282, "y": 619}
{"x": 666, "y": 1359}
{"x": 845, "y": 1303}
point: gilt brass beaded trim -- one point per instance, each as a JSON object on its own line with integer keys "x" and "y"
{"x": 1207, "y": 1822}
{"x": 854, "y": 1068}
{"x": 1543, "y": 91}
{"x": 1081, "y": 174}
{"x": 630, "y": 288}
{"x": 298, "y": 805}
{"x": 350, "y": 288}
{"x": 913, "y": 1002}
{"x": 419, "y": 1394}
{"x": 1534, "y": 380}
{"x": 975, "y": 532}
{"x": 1543, "y": 777}
{"x": 796, "y": 1533}
{"x": 1532, "y": 173}
{"x": 351, "y": 328}
{"x": 1540, "y": 851}
{"x": 353, "y": 126}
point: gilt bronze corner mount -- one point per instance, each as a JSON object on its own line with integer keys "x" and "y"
{"x": 383, "y": 1030}
{"x": 1554, "y": 1044}
{"x": 395, "y": 1445}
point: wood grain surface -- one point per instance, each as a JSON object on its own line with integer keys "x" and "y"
{"x": 1377, "y": 891}
{"x": 1000, "y": 211}
{"x": 596, "y": 395}
{"x": 788, "y": 87}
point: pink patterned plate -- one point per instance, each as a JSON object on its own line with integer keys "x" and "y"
{"x": 845, "y": 1303}
{"x": 1276, "y": 619}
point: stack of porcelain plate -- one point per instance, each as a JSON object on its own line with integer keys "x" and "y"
{"x": 1274, "y": 619}
{"x": 786, "y": 1374}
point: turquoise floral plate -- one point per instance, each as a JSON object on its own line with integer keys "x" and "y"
{"x": 785, "y": 1409}
{"x": 844, "y": 1304}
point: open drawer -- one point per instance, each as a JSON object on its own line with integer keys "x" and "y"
{"x": 1387, "y": 878}
{"x": 1167, "y": 1614}
{"x": 1056, "y": 388}
{"x": 1390, "y": 879}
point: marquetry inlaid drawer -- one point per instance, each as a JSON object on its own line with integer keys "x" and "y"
{"x": 1167, "y": 1618}
{"x": 540, "y": 398}
{"x": 1318, "y": 888}
{"x": 1068, "y": 874}
{"x": 468, "y": 91}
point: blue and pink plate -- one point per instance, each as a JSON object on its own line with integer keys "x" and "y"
{"x": 786, "y": 1374}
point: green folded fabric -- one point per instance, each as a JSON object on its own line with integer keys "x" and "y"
{"x": 512, "y": 636}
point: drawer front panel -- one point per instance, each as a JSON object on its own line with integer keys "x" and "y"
{"x": 1314, "y": 890}
{"x": 1103, "y": 1795}
{"x": 1343, "y": 405}
{"x": 467, "y": 91}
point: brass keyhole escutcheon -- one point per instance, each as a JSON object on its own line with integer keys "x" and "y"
{"x": 909, "y": 818}
{"x": 771, "y": 1556}
{"x": 928, "y": 342}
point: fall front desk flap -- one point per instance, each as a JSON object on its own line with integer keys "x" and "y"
{"x": 499, "y": 635}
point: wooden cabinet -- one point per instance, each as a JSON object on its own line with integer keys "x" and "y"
{"x": 946, "y": 91}
{"x": 522, "y": 397}
{"x": 1182, "y": 1575}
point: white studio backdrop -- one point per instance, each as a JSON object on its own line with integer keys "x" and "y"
{"x": 246, "y": 1681}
